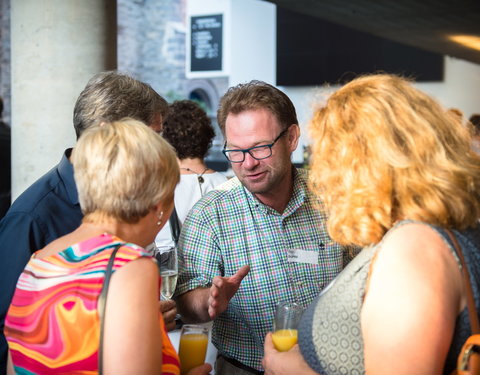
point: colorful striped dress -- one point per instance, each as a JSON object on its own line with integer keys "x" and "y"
{"x": 53, "y": 326}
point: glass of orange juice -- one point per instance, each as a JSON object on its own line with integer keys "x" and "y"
{"x": 193, "y": 346}
{"x": 285, "y": 325}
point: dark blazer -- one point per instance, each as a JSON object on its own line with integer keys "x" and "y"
{"x": 48, "y": 209}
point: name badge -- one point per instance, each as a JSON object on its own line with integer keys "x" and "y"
{"x": 302, "y": 256}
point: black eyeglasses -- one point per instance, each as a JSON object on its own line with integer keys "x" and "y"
{"x": 257, "y": 152}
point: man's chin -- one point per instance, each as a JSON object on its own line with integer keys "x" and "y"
{"x": 256, "y": 187}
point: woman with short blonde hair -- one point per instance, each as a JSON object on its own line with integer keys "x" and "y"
{"x": 120, "y": 171}
{"x": 125, "y": 175}
{"x": 396, "y": 172}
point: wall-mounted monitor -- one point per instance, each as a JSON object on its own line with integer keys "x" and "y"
{"x": 311, "y": 51}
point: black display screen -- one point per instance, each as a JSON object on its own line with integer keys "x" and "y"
{"x": 311, "y": 51}
{"x": 206, "y": 43}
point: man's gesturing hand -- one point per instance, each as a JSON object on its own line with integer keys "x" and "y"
{"x": 222, "y": 291}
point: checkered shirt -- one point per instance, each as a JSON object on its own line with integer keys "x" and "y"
{"x": 229, "y": 228}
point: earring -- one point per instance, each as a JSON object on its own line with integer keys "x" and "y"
{"x": 160, "y": 215}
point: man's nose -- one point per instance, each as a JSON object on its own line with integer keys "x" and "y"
{"x": 250, "y": 162}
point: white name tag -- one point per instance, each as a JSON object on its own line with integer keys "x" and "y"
{"x": 302, "y": 256}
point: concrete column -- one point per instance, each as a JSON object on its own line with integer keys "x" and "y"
{"x": 56, "y": 46}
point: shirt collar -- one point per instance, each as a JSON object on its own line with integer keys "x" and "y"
{"x": 296, "y": 201}
{"x": 65, "y": 170}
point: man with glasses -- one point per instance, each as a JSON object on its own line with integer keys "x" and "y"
{"x": 257, "y": 239}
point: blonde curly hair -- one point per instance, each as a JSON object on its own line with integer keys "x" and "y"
{"x": 384, "y": 151}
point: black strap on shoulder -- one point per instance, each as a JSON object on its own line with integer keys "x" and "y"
{"x": 102, "y": 304}
{"x": 175, "y": 226}
{"x": 472, "y": 311}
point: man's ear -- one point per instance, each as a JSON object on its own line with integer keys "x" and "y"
{"x": 293, "y": 136}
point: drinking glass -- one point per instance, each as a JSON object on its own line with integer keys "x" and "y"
{"x": 285, "y": 325}
{"x": 168, "y": 264}
{"x": 193, "y": 346}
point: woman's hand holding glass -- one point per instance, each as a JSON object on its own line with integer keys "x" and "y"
{"x": 168, "y": 264}
{"x": 285, "y": 325}
{"x": 168, "y": 267}
{"x": 284, "y": 363}
{"x": 281, "y": 353}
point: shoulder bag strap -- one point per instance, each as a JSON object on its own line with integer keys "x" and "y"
{"x": 472, "y": 311}
{"x": 102, "y": 304}
{"x": 175, "y": 226}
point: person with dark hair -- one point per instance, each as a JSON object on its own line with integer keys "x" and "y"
{"x": 5, "y": 164}
{"x": 258, "y": 239}
{"x": 188, "y": 129}
{"x": 49, "y": 208}
{"x": 475, "y": 121}
{"x": 475, "y": 125}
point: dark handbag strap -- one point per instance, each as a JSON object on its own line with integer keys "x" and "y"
{"x": 472, "y": 311}
{"x": 175, "y": 226}
{"x": 102, "y": 304}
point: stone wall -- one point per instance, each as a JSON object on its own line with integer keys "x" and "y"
{"x": 151, "y": 43}
{"x": 5, "y": 58}
{"x": 151, "y": 47}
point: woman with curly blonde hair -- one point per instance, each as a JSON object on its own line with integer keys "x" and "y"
{"x": 395, "y": 172}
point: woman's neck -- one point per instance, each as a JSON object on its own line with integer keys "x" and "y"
{"x": 192, "y": 166}
{"x": 141, "y": 233}
{"x": 136, "y": 233}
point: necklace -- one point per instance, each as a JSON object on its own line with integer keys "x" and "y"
{"x": 200, "y": 178}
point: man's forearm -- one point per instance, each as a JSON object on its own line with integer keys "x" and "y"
{"x": 193, "y": 306}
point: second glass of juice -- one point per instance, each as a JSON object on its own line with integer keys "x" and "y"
{"x": 285, "y": 325}
{"x": 193, "y": 346}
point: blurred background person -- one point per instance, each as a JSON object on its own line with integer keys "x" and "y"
{"x": 475, "y": 124}
{"x": 5, "y": 164}
{"x": 188, "y": 129}
{"x": 395, "y": 172}
{"x": 125, "y": 176}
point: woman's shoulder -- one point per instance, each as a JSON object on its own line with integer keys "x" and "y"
{"x": 414, "y": 250}
{"x": 415, "y": 263}
{"x": 415, "y": 279}
{"x": 415, "y": 241}
{"x": 215, "y": 178}
{"x": 126, "y": 253}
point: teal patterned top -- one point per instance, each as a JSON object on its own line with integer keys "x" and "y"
{"x": 330, "y": 336}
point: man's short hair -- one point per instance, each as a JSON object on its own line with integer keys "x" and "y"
{"x": 122, "y": 169}
{"x": 188, "y": 129}
{"x": 111, "y": 96}
{"x": 256, "y": 95}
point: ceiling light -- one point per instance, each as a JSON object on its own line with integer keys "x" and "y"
{"x": 469, "y": 41}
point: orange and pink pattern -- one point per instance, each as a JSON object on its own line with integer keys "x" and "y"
{"x": 53, "y": 326}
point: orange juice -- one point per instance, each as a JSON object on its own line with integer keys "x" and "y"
{"x": 192, "y": 350}
{"x": 284, "y": 339}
